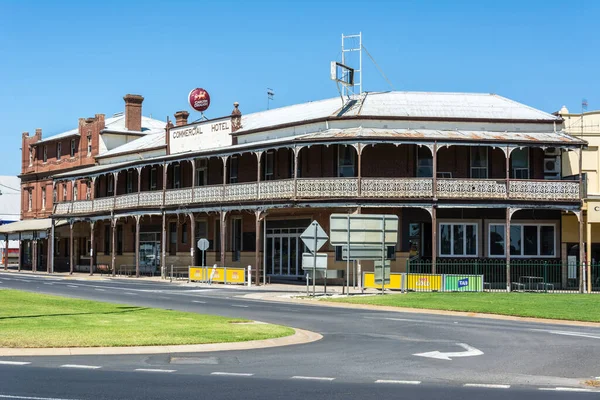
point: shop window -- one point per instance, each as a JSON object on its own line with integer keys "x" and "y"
{"x": 184, "y": 233}
{"x": 107, "y": 240}
{"x": 526, "y": 240}
{"x": 458, "y": 240}
{"x": 120, "y": 240}
{"x": 173, "y": 238}
{"x": 236, "y": 239}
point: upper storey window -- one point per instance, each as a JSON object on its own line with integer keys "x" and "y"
{"x": 73, "y": 148}
{"x": 520, "y": 164}
{"x": 89, "y": 143}
{"x": 45, "y": 154}
{"x": 479, "y": 162}
{"x": 346, "y": 161}
{"x": 58, "y": 150}
{"x": 424, "y": 162}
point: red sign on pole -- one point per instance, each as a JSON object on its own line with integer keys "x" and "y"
{"x": 199, "y": 99}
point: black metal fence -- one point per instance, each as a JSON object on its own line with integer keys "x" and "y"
{"x": 551, "y": 276}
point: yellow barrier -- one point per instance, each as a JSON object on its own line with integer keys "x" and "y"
{"x": 222, "y": 275}
{"x": 395, "y": 281}
{"x": 424, "y": 282}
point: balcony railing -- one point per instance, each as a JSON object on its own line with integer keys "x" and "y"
{"x": 332, "y": 188}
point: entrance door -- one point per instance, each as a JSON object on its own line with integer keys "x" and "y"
{"x": 284, "y": 252}
{"x": 149, "y": 252}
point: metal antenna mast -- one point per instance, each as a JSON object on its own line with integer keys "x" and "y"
{"x": 270, "y": 94}
{"x": 348, "y": 46}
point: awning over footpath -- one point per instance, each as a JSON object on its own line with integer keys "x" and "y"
{"x": 28, "y": 228}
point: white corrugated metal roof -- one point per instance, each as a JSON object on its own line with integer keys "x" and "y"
{"x": 151, "y": 141}
{"x": 117, "y": 125}
{"x": 401, "y": 104}
{"x": 10, "y": 198}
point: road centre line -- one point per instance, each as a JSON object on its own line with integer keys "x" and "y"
{"x": 487, "y": 385}
{"x": 569, "y": 333}
{"x": 314, "y": 378}
{"x": 100, "y": 290}
{"x": 80, "y": 366}
{"x": 72, "y": 286}
{"x": 131, "y": 294}
{"x": 239, "y": 305}
{"x": 198, "y": 301}
{"x": 232, "y": 373}
{"x": 398, "y": 382}
{"x": 154, "y": 370}
{"x": 7, "y": 396}
{"x": 566, "y": 389}
{"x": 14, "y": 363}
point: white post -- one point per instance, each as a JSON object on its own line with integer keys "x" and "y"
{"x": 249, "y": 276}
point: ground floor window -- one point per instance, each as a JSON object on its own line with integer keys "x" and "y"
{"x": 526, "y": 240}
{"x": 458, "y": 239}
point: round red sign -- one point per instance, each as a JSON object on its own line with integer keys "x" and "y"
{"x": 199, "y": 99}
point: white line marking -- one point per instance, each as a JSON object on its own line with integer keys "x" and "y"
{"x": 569, "y": 333}
{"x": 80, "y": 366}
{"x": 566, "y": 389}
{"x": 101, "y": 290}
{"x": 314, "y": 378}
{"x": 487, "y": 385}
{"x": 72, "y": 286}
{"x": 47, "y": 283}
{"x": 7, "y": 396}
{"x": 198, "y": 301}
{"x": 154, "y": 370}
{"x": 131, "y": 294}
{"x": 15, "y": 362}
{"x": 164, "y": 298}
{"x": 237, "y": 305}
{"x": 231, "y": 373}
{"x": 398, "y": 382}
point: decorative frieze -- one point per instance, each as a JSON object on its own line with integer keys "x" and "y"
{"x": 327, "y": 188}
{"x": 280, "y": 189}
{"x": 471, "y": 189}
{"x": 544, "y": 190}
{"x": 396, "y": 188}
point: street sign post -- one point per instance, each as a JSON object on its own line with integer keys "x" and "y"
{"x": 370, "y": 233}
{"x": 203, "y": 245}
{"x": 314, "y": 237}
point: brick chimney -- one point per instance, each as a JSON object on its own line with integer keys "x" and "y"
{"x": 236, "y": 117}
{"x": 181, "y": 118}
{"x": 133, "y": 112}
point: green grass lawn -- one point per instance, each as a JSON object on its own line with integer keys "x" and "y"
{"x": 540, "y": 305}
{"x": 34, "y": 320}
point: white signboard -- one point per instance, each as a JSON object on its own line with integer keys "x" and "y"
{"x": 200, "y": 136}
{"x": 314, "y": 237}
{"x": 308, "y": 261}
{"x": 365, "y": 229}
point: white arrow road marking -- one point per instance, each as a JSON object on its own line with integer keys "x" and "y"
{"x": 470, "y": 352}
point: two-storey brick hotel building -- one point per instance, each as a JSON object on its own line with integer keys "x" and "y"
{"x": 457, "y": 168}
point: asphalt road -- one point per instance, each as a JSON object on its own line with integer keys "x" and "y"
{"x": 363, "y": 353}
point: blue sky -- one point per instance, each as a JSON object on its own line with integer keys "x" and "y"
{"x": 62, "y": 60}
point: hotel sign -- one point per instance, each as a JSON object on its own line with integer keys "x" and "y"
{"x": 201, "y": 136}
